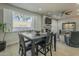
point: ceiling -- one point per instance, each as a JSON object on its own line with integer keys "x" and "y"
{"x": 48, "y": 8}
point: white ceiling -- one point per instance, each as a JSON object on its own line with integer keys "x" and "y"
{"x": 48, "y": 8}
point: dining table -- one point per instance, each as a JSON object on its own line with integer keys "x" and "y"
{"x": 34, "y": 39}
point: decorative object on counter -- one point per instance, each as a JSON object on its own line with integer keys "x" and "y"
{"x": 37, "y": 32}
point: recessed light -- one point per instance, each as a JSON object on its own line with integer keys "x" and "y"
{"x": 77, "y": 13}
{"x": 49, "y": 13}
{"x": 78, "y": 10}
{"x": 40, "y": 9}
{"x": 77, "y": 3}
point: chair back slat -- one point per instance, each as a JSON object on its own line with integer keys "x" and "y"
{"x": 49, "y": 38}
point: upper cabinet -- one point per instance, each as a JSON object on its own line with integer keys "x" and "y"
{"x": 48, "y": 20}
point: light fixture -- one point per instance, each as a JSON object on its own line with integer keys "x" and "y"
{"x": 40, "y": 9}
{"x": 49, "y": 13}
{"x": 78, "y": 10}
{"x": 77, "y": 3}
{"x": 77, "y": 13}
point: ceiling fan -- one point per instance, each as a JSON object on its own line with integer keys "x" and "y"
{"x": 67, "y": 12}
{"x": 63, "y": 14}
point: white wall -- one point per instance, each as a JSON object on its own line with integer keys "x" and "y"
{"x": 68, "y": 20}
{"x": 54, "y": 24}
{"x": 13, "y": 37}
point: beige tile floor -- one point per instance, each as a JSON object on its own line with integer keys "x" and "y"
{"x": 62, "y": 50}
{"x": 10, "y": 51}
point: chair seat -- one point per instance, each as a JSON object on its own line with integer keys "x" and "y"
{"x": 41, "y": 43}
{"x": 28, "y": 45}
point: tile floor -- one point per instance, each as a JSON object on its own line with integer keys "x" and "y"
{"x": 62, "y": 50}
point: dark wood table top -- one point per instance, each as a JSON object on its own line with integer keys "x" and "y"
{"x": 32, "y": 36}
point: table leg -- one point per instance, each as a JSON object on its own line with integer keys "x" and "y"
{"x": 55, "y": 42}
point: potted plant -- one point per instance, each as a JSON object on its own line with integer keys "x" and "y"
{"x": 1, "y": 26}
{"x": 3, "y": 42}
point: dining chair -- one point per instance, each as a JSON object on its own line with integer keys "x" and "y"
{"x": 24, "y": 46}
{"x": 46, "y": 45}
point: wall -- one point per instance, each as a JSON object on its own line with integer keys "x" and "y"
{"x": 68, "y": 20}
{"x": 12, "y": 38}
{"x": 54, "y": 24}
